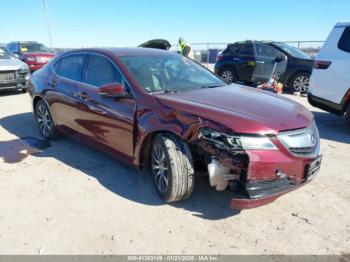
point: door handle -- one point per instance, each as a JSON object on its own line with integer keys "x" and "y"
{"x": 96, "y": 110}
{"x": 82, "y": 95}
{"x": 53, "y": 83}
{"x": 235, "y": 59}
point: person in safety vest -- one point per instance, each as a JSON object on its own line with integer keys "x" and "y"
{"x": 185, "y": 48}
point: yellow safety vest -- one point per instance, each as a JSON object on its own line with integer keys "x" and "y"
{"x": 182, "y": 47}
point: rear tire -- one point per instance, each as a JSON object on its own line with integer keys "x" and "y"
{"x": 300, "y": 82}
{"x": 228, "y": 75}
{"x": 44, "y": 119}
{"x": 171, "y": 167}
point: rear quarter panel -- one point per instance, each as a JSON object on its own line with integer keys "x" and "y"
{"x": 331, "y": 84}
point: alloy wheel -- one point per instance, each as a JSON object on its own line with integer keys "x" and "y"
{"x": 227, "y": 76}
{"x": 160, "y": 168}
{"x": 44, "y": 120}
{"x": 301, "y": 84}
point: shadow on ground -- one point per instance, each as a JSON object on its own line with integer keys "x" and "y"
{"x": 10, "y": 93}
{"x": 332, "y": 127}
{"x": 120, "y": 179}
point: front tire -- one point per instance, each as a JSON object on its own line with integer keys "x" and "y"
{"x": 171, "y": 167}
{"x": 44, "y": 119}
{"x": 300, "y": 82}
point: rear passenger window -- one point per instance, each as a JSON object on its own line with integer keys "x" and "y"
{"x": 247, "y": 49}
{"x": 232, "y": 49}
{"x": 344, "y": 42}
{"x": 70, "y": 67}
{"x": 101, "y": 71}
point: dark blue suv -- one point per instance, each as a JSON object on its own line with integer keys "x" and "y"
{"x": 253, "y": 61}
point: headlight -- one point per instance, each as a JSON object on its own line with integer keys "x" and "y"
{"x": 31, "y": 58}
{"x": 256, "y": 143}
{"x": 42, "y": 59}
{"x": 24, "y": 68}
{"x": 223, "y": 140}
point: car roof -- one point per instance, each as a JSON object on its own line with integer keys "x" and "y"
{"x": 255, "y": 41}
{"x": 342, "y": 24}
{"x": 25, "y": 42}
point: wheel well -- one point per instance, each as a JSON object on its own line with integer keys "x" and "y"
{"x": 146, "y": 147}
{"x": 296, "y": 73}
{"x": 346, "y": 101}
{"x": 232, "y": 69}
{"x": 35, "y": 101}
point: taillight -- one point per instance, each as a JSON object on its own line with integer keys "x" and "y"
{"x": 322, "y": 64}
{"x": 219, "y": 58}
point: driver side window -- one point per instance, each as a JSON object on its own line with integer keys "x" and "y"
{"x": 266, "y": 51}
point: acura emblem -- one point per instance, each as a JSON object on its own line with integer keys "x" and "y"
{"x": 313, "y": 139}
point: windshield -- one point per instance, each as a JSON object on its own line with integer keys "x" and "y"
{"x": 169, "y": 73}
{"x": 4, "y": 53}
{"x": 296, "y": 52}
{"x": 34, "y": 47}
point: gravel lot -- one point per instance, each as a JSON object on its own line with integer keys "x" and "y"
{"x": 68, "y": 198}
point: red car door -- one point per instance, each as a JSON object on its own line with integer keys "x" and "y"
{"x": 106, "y": 122}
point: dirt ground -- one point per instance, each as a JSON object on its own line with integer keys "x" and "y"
{"x": 66, "y": 198}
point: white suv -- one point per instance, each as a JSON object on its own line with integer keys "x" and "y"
{"x": 330, "y": 79}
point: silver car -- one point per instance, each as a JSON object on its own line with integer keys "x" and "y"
{"x": 14, "y": 74}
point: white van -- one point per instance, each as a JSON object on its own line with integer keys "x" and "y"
{"x": 330, "y": 79}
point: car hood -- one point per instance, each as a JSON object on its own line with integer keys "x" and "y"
{"x": 11, "y": 64}
{"x": 157, "y": 43}
{"x": 242, "y": 109}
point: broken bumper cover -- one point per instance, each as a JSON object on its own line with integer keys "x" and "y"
{"x": 263, "y": 193}
{"x": 258, "y": 193}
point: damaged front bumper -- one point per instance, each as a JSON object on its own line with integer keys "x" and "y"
{"x": 14, "y": 80}
{"x": 258, "y": 177}
{"x": 288, "y": 176}
{"x": 262, "y": 193}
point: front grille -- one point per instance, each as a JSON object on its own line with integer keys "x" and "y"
{"x": 7, "y": 76}
{"x": 304, "y": 151}
{"x": 13, "y": 77}
{"x": 303, "y": 142}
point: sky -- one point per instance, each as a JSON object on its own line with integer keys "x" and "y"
{"x": 91, "y": 23}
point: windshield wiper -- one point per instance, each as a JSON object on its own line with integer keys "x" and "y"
{"x": 211, "y": 86}
{"x": 168, "y": 91}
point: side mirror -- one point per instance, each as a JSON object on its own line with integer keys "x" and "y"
{"x": 280, "y": 58}
{"x": 113, "y": 90}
